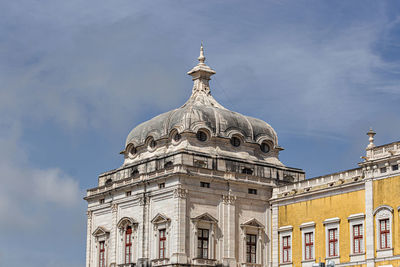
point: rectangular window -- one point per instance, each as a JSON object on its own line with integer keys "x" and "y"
{"x": 101, "y": 201}
{"x": 202, "y": 243}
{"x": 383, "y": 169}
{"x": 395, "y": 167}
{"x": 128, "y": 245}
{"x": 161, "y": 243}
{"x": 384, "y": 232}
{"x": 333, "y": 242}
{"x": 251, "y": 248}
{"x": 204, "y": 184}
{"x": 161, "y": 185}
{"x": 128, "y": 193}
{"x": 286, "y": 249}
{"x": 358, "y": 232}
{"x": 102, "y": 254}
{"x": 252, "y": 191}
{"x": 309, "y": 246}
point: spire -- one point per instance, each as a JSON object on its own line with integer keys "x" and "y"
{"x": 201, "y": 74}
{"x": 371, "y": 135}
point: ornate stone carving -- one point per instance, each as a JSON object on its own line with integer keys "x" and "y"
{"x": 144, "y": 200}
{"x": 180, "y": 193}
{"x": 114, "y": 207}
{"x": 89, "y": 214}
{"x": 228, "y": 199}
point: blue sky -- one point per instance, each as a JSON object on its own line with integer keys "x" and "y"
{"x": 77, "y": 76}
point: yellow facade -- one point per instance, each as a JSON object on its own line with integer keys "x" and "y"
{"x": 387, "y": 192}
{"x": 318, "y": 210}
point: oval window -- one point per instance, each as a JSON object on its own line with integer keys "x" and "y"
{"x": 152, "y": 144}
{"x": 235, "y": 141}
{"x": 264, "y": 147}
{"x": 177, "y": 137}
{"x": 201, "y": 136}
{"x": 132, "y": 151}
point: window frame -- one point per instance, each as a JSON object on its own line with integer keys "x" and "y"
{"x": 358, "y": 238}
{"x": 162, "y": 239}
{"x": 102, "y": 253}
{"x": 384, "y": 212}
{"x": 202, "y": 240}
{"x": 253, "y": 260}
{"x": 357, "y": 219}
{"x": 332, "y": 225}
{"x": 308, "y": 228}
{"x": 285, "y": 231}
{"x": 128, "y": 244}
{"x": 385, "y": 232}
{"x": 333, "y": 241}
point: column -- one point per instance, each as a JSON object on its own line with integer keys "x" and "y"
{"x": 88, "y": 238}
{"x": 229, "y": 229}
{"x": 113, "y": 236}
{"x": 179, "y": 230}
{"x": 275, "y": 238}
{"x": 369, "y": 221}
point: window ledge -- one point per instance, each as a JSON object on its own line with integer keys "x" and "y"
{"x": 332, "y": 257}
{"x": 384, "y": 249}
{"x": 202, "y": 261}
{"x": 310, "y": 260}
{"x": 157, "y": 262}
{"x": 357, "y": 254}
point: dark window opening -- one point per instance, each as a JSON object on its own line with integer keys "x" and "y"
{"x": 201, "y": 136}
{"x": 101, "y": 201}
{"x": 265, "y": 147}
{"x": 251, "y": 248}
{"x": 383, "y": 170}
{"x": 395, "y": 167}
{"x": 177, "y": 137}
{"x": 202, "y": 243}
{"x": 247, "y": 171}
{"x": 235, "y": 141}
{"x": 168, "y": 164}
{"x": 252, "y": 191}
{"x": 108, "y": 182}
{"x": 161, "y": 185}
{"x": 204, "y": 184}
{"x": 152, "y": 143}
{"x": 135, "y": 172}
{"x": 128, "y": 193}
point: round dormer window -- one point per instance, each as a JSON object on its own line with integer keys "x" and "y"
{"x": 177, "y": 137}
{"x": 265, "y": 147}
{"x": 152, "y": 143}
{"x": 132, "y": 151}
{"x": 235, "y": 141}
{"x": 201, "y": 136}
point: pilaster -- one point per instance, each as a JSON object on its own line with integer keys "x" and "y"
{"x": 179, "y": 248}
{"x": 229, "y": 230}
{"x": 113, "y": 235}
{"x": 88, "y": 237}
{"x": 369, "y": 220}
{"x": 275, "y": 237}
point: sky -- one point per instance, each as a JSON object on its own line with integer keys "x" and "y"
{"x": 76, "y": 76}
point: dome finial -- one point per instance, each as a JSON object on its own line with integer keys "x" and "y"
{"x": 201, "y": 58}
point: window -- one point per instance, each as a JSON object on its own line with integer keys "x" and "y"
{"x": 201, "y": 136}
{"x": 264, "y": 147}
{"x": 128, "y": 244}
{"x": 251, "y": 248}
{"x": 235, "y": 141}
{"x": 101, "y": 201}
{"x": 395, "y": 167}
{"x": 358, "y": 242}
{"x": 102, "y": 257}
{"x": 202, "y": 243}
{"x": 135, "y": 172}
{"x": 161, "y": 243}
{"x": 384, "y": 233}
{"x": 247, "y": 171}
{"x": 204, "y": 184}
{"x": 383, "y": 169}
{"x": 286, "y": 249}
{"x": 309, "y": 246}
{"x": 177, "y": 137}
{"x": 252, "y": 191}
{"x": 161, "y": 185}
{"x": 128, "y": 193}
{"x": 333, "y": 242}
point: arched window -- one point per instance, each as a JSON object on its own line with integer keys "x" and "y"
{"x": 128, "y": 244}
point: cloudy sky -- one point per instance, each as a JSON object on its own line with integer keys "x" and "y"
{"x": 77, "y": 76}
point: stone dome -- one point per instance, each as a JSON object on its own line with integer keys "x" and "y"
{"x": 202, "y": 111}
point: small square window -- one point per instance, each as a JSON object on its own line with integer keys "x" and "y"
{"x": 204, "y": 184}
{"x": 395, "y": 167}
{"x": 161, "y": 185}
{"x": 252, "y": 191}
{"x": 128, "y": 193}
{"x": 101, "y": 201}
{"x": 383, "y": 170}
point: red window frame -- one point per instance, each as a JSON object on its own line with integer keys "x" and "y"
{"x": 308, "y": 244}
{"x": 384, "y": 233}
{"x": 128, "y": 244}
{"x": 332, "y": 242}
{"x": 251, "y": 248}
{"x": 358, "y": 238}
{"x": 161, "y": 243}
{"x": 102, "y": 254}
{"x": 286, "y": 248}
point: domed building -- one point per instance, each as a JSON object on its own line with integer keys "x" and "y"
{"x": 193, "y": 188}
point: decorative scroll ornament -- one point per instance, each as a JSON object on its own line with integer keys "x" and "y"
{"x": 228, "y": 199}
{"x": 180, "y": 192}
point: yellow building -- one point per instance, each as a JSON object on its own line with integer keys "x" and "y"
{"x": 347, "y": 218}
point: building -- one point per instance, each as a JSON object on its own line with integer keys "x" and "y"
{"x": 203, "y": 186}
